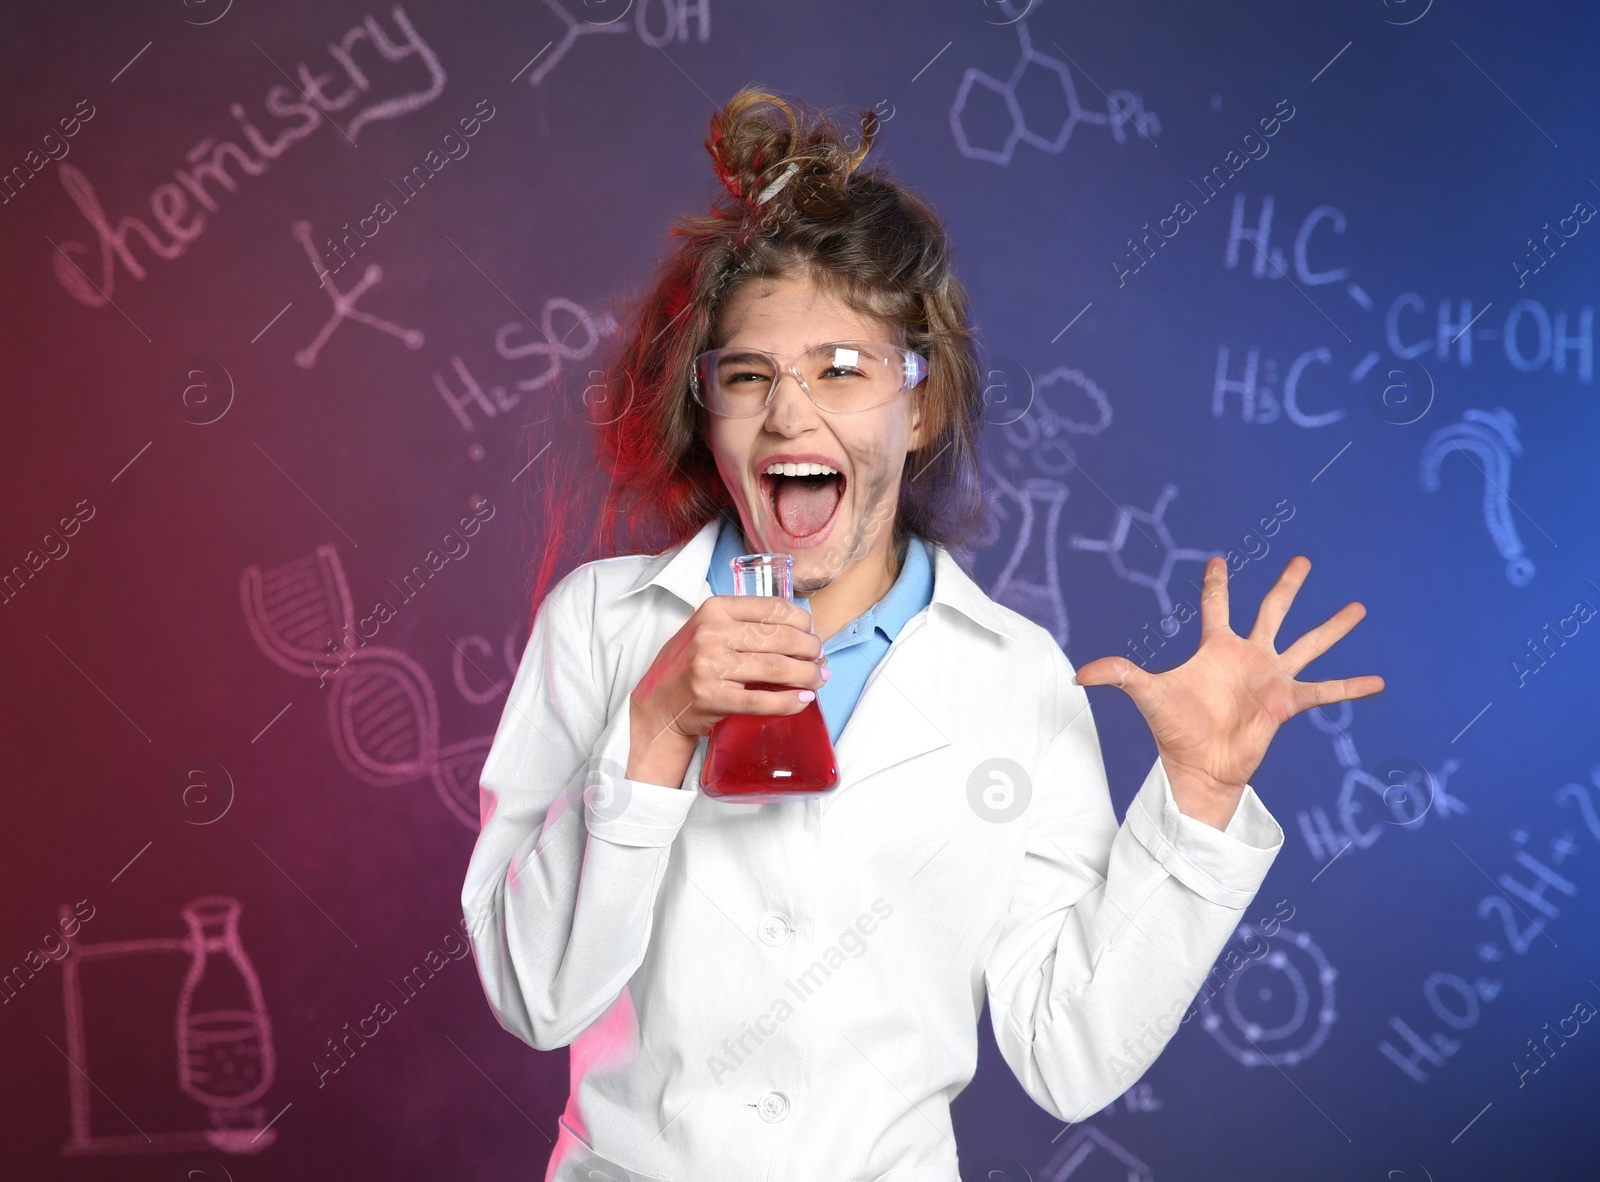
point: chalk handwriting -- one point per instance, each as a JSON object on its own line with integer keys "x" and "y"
{"x": 214, "y": 166}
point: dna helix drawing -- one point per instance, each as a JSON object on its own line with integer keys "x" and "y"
{"x": 383, "y": 714}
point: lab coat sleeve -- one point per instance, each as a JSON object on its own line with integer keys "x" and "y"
{"x": 561, "y": 886}
{"x": 1111, "y": 929}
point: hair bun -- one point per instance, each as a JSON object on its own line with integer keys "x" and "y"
{"x": 772, "y": 155}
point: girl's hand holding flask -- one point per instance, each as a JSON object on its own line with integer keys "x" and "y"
{"x": 704, "y": 672}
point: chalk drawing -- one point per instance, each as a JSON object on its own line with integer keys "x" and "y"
{"x": 1275, "y": 1011}
{"x": 1123, "y": 107}
{"x": 673, "y": 23}
{"x": 1042, "y": 432}
{"x": 1154, "y": 529}
{"x": 1493, "y": 438}
{"x": 1030, "y": 581}
{"x": 383, "y": 715}
{"x": 1084, "y": 1145}
{"x": 1408, "y": 791}
{"x": 225, "y": 1057}
{"x": 344, "y": 303}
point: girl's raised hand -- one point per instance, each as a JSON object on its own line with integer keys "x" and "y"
{"x": 1214, "y": 715}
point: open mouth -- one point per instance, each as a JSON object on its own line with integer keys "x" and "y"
{"x": 804, "y": 504}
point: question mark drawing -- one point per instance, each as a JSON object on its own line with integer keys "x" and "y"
{"x": 1493, "y": 436}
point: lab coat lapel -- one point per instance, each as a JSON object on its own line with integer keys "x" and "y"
{"x": 904, "y": 710}
{"x": 899, "y": 714}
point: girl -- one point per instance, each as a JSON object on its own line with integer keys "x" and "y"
{"x": 792, "y": 990}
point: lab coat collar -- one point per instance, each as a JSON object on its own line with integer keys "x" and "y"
{"x": 682, "y": 571}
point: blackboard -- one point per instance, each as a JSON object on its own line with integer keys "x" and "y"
{"x": 299, "y": 302}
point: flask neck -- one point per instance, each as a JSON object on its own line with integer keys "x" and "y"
{"x": 763, "y": 574}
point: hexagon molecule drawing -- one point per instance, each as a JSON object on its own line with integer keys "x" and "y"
{"x": 1170, "y": 553}
{"x": 1124, "y": 108}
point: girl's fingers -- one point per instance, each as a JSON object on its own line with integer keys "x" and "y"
{"x": 793, "y": 661}
{"x": 1214, "y": 597}
{"x": 777, "y": 669}
{"x": 740, "y": 700}
{"x": 1275, "y": 604}
{"x": 1323, "y": 693}
{"x": 763, "y": 636}
{"x": 1321, "y": 638}
{"x": 773, "y": 669}
{"x": 769, "y": 611}
{"x": 1117, "y": 671}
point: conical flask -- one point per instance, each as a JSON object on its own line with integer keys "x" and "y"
{"x": 765, "y": 758}
{"x": 1030, "y": 581}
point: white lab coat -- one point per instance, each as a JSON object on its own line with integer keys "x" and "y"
{"x": 790, "y": 992}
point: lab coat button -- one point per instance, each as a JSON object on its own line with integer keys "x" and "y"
{"x": 774, "y": 1106}
{"x": 775, "y": 930}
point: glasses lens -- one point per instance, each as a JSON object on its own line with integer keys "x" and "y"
{"x": 843, "y": 376}
{"x": 735, "y": 382}
{"x": 853, "y": 375}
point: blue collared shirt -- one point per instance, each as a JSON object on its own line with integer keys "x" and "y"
{"x": 854, "y": 650}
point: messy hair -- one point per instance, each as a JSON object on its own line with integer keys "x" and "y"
{"x": 795, "y": 200}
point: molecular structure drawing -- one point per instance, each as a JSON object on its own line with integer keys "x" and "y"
{"x": 1284, "y": 1000}
{"x": 1157, "y": 533}
{"x": 1104, "y": 1157}
{"x": 344, "y": 304}
{"x": 1407, "y": 790}
{"x": 671, "y": 21}
{"x": 1124, "y": 108}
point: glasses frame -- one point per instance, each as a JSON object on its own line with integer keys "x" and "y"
{"x": 913, "y": 372}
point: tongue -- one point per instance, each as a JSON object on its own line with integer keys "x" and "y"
{"x": 804, "y": 504}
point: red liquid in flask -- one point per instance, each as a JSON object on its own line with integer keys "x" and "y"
{"x": 766, "y": 758}
{"x": 763, "y": 758}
